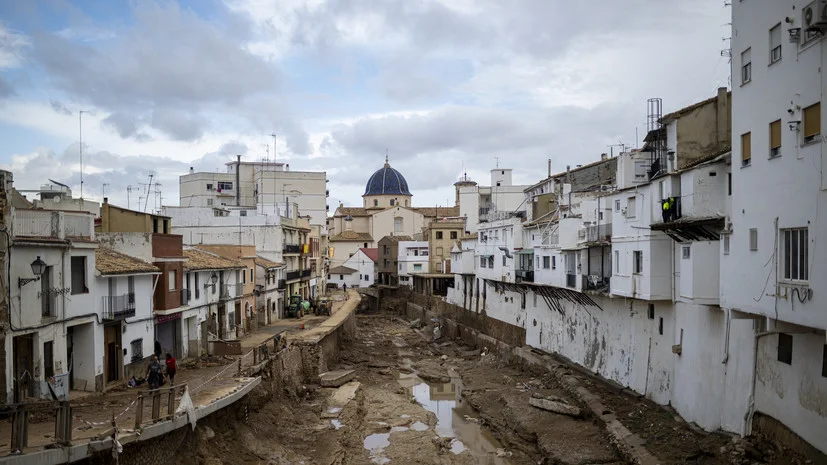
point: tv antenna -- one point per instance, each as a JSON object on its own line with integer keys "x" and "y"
{"x": 129, "y": 190}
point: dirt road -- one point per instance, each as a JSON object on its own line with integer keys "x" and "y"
{"x": 417, "y": 402}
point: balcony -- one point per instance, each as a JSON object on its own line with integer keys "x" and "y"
{"x": 186, "y": 295}
{"x": 282, "y": 284}
{"x": 292, "y": 275}
{"x": 571, "y": 281}
{"x": 53, "y": 224}
{"x": 525, "y": 276}
{"x": 118, "y": 307}
{"x": 673, "y": 214}
{"x": 596, "y": 233}
{"x": 228, "y": 291}
{"x": 596, "y": 283}
{"x": 292, "y": 249}
{"x": 306, "y": 273}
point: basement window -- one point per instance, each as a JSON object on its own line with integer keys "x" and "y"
{"x": 651, "y": 311}
{"x": 660, "y": 326}
{"x": 785, "y": 348}
{"x": 753, "y": 239}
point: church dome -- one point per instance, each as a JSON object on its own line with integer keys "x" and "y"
{"x": 387, "y": 181}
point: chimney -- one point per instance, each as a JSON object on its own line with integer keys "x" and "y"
{"x": 192, "y": 170}
{"x": 238, "y": 182}
{"x": 106, "y": 200}
{"x": 724, "y": 114}
{"x": 549, "y": 167}
{"x": 603, "y": 156}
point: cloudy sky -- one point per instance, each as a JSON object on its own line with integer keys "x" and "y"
{"x": 439, "y": 84}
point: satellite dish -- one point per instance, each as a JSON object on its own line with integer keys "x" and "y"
{"x": 56, "y": 199}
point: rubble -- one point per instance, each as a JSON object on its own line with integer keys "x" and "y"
{"x": 556, "y": 407}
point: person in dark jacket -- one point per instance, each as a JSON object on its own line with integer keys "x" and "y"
{"x": 153, "y": 373}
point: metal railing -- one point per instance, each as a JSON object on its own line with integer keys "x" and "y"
{"x": 525, "y": 276}
{"x": 282, "y": 284}
{"x": 672, "y": 214}
{"x": 596, "y": 283}
{"x": 292, "y": 248}
{"x": 52, "y": 224}
{"x": 118, "y": 307}
{"x": 596, "y": 233}
{"x": 571, "y": 280}
{"x": 290, "y": 275}
{"x": 306, "y": 273}
{"x": 231, "y": 290}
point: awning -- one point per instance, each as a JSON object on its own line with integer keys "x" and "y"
{"x": 525, "y": 252}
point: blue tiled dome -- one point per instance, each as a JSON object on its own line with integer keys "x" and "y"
{"x": 387, "y": 181}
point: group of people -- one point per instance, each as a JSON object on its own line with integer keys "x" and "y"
{"x": 157, "y": 374}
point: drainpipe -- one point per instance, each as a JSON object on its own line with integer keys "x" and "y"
{"x": 238, "y": 182}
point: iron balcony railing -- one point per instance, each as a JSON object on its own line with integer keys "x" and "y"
{"x": 596, "y": 283}
{"x": 306, "y": 273}
{"x": 292, "y": 248}
{"x": 596, "y": 233}
{"x": 525, "y": 276}
{"x": 670, "y": 214}
{"x": 282, "y": 284}
{"x": 293, "y": 275}
{"x": 118, "y": 307}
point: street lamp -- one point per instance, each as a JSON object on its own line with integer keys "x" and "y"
{"x": 213, "y": 280}
{"x": 38, "y": 267}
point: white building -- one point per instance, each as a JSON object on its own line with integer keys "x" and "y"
{"x": 479, "y": 203}
{"x": 771, "y": 260}
{"x": 270, "y": 288}
{"x": 257, "y": 185}
{"x": 360, "y": 270}
{"x": 412, "y": 258}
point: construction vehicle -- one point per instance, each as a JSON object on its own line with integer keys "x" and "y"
{"x": 297, "y": 307}
{"x": 323, "y": 306}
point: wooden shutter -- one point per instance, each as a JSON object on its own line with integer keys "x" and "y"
{"x": 746, "y": 147}
{"x": 812, "y": 120}
{"x": 775, "y": 134}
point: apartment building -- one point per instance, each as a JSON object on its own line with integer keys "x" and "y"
{"x": 481, "y": 203}
{"x": 412, "y": 258}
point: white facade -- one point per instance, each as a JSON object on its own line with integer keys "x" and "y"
{"x": 478, "y": 203}
{"x": 364, "y": 274}
{"x": 773, "y": 264}
{"x": 257, "y": 184}
{"x": 412, "y": 258}
{"x": 496, "y": 248}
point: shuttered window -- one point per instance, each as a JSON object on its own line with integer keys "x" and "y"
{"x": 812, "y": 122}
{"x": 746, "y": 149}
{"x": 775, "y": 138}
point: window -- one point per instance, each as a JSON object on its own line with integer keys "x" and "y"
{"x": 686, "y": 252}
{"x": 638, "y": 265}
{"x": 504, "y": 259}
{"x": 79, "y": 275}
{"x": 753, "y": 239}
{"x": 366, "y": 277}
{"x": 617, "y": 205}
{"x": 726, "y": 244}
{"x": 812, "y": 122}
{"x": 453, "y": 234}
{"x": 209, "y": 204}
{"x": 617, "y": 261}
{"x": 746, "y": 149}
{"x": 47, "y": 299}
{"x": 795, "y": 252}
{"x": 243, "y": 212}
{"x": 172, "y": 278}
{"x": 785, "y": 348}
{"x": 391, "y": 202}
{"x": 746, "y": 66}
{"x": 546, "y": 262}
{"x": 225, "y": 186}
{"x": 243, "y": 277}
{"x": 252, "y": 277}
{"x": 137, "y": 349}
{"x": 651, "y": 311}
{"x": 482, "y": 262}
{"x": 775, "y": 43}
{"x": 48, "y": 359}
{"x": 397, "y": 224}
{"x": 631, "y": 207}
{"x": 417, "y": 267}
{"x": 375, "y": 203}
{"x": 439, "y": 234}
{"x": 341, "y": 276}
{"x": 660, "y": 326}
{"x": 490, "y": 261}
{"x": 599, "y": 215}
{"x": 209, "y": 186}
{"x": 729, "y": 183}
{"x": 553, "y": 262}
{"x": 775, "y": 138}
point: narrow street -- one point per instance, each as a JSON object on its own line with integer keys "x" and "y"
{"x": 418, "y": 403}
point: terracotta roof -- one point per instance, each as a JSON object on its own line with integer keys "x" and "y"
{"x": 352, "y": 211}
{"x": 439, "y": 212}
{"x": 198, "y": 259}
{"x": 352, "y": 236}
{"x": 395, "y": 239}
{"x": 341, "y": 270}
{"x": 372, "y": 254}
{"x": 265, "y": 263}
{"x": 108, "y": 261}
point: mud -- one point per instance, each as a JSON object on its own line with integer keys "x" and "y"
{"x": 418, "y": 402}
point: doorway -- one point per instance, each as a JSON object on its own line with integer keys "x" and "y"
{"x": 113, "y": 354}
{"x": 23, "y": 347}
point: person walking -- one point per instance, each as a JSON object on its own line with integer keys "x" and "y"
{"x": 172, "y": 367}
{"x": 153, "y": 373}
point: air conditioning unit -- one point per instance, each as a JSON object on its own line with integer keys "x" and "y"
{"x": 815, "y": 15}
